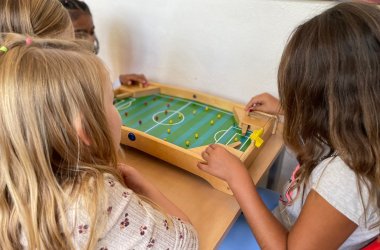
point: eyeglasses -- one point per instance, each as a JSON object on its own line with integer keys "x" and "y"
{"x": 85, "y": 36}
{"x": 81, "y": 6}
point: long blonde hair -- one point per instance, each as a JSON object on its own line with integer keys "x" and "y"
{"x": 44, "y": 166}
{"x": 40, "y": 18}
{"x": 329, "y": 85}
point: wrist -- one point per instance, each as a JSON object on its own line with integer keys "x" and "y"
{"x": 146, "y": 189}
{"x": 241, "y": 178}
{"x": 238, "y": 171}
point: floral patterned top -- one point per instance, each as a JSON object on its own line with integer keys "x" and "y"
{"x": 132, "y": 224}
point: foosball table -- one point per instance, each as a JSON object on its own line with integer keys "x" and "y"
{"x": 177, "y": 124}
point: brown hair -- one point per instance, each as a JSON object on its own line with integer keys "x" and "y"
{"x": 329, "y": 86}
{"x": 76, "y": 8}
{"x": 40, "y": 18}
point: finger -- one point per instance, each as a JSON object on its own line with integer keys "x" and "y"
{"x": 253, "y": 104}
{"x": 216, "y": 146}
{"x": 143, "y": 78}
{"x": 249, "y": 104}
{"x": 208, "y": 150}
{"x": 205, "y": 155}
{"x": 137, "y": 80}
{"x": 202, "y": 166}
{"x": 133, "y": 78}
{"x": 145, "y": 83}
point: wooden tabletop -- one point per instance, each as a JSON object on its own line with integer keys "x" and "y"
{"x": 212, "y": 212}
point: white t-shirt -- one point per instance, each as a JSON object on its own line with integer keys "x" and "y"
{"x": 337, "y": 184}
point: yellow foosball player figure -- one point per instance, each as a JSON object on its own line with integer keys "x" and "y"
{"x": 255, "y": 137}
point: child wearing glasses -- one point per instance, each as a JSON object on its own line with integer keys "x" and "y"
{"x": 84, "y": 29}
{"x": 61, "y": 186}
{"x": 329, "y": 88}
{"x": 48, "y": 19}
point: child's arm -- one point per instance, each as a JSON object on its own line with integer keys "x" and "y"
{"x": 129, "y": 79}
{"x": 320, "y": 226}
{"x": 222, "y": 164}
{"x": 135, "y": 181}
{"x": 265, "y": 103}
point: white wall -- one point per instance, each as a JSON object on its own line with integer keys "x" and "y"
{"x": 229, "y": 48}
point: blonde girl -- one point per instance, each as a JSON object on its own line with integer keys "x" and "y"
{"x": 60, "y": 184}
{"x": 39, "y": 18}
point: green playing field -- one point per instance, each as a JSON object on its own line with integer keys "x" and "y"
{"x": 185, "y": 123}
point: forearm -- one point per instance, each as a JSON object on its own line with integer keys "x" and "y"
{"x": 151, "y": 192}
{"x": 139, "y": 184}
{"x": 268, "y": 231}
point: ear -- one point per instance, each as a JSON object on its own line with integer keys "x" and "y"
{"x": 80, "y": 131}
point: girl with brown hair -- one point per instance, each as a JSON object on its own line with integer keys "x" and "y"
{"x": 329, "y": 87}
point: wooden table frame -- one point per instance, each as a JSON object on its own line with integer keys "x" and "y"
{"x": 212, "y": 212}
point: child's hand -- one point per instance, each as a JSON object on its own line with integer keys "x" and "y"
{"x": 129, "y": 79}
{"x": 132, "y": 178}
{"x": 221, "y": 163}
{"x": 135, "y": 181}
{"x": 265, "y": 103}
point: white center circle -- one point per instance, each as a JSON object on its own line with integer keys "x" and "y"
{"x": 164, "y": 117}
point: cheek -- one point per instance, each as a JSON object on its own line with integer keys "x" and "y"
{"x": 114, "y": 124}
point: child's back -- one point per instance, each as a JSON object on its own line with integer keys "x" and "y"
{"x": 60, "y": 185}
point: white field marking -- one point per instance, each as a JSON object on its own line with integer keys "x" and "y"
{"x": 218, "y": 133}
{"x": 160, "y": 123}
{"x": 232, "y": 138}
{"x": 242, "y": 145}
{"x": 239, "y": 134}
{"x": 226, "y": 131}
{"x": 199, "y": 104}
{"x": 176, "y": 112}
{"x": 126, "y": 105}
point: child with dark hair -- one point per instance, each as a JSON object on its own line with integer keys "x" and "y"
{"x": 329, "y": 88}
{"x": 84, "y": 28}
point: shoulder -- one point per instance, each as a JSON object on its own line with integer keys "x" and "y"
{"x": 338, "y": 184}
{"x": 117, "y": 193}
{"x": 333, "y": 168}
{"x": 125, "y": 215}
{"x": 130, "y": 216}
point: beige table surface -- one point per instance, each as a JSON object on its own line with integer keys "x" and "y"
{"x": 212, "y": 212}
